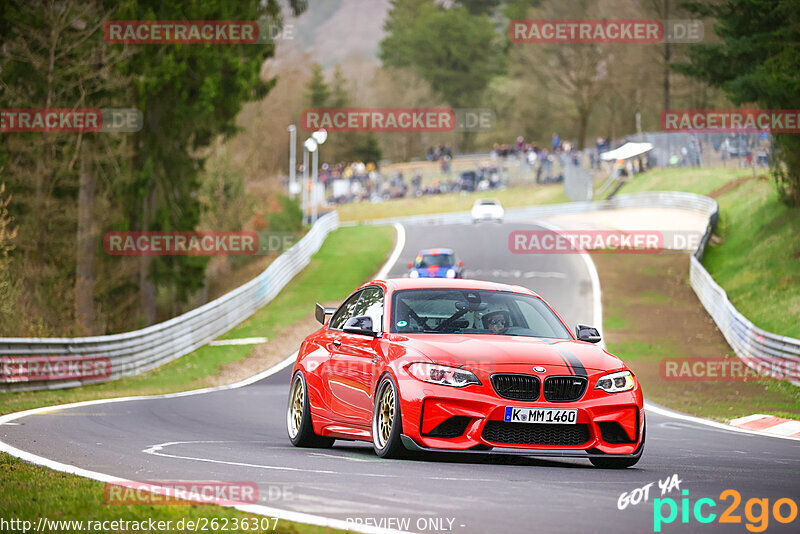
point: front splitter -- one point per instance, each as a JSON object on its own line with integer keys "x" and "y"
{"x": 412, "y": 445}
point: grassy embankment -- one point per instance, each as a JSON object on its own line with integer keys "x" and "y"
{"x": 30, "y": 492}
{"x": 654, "y": 314}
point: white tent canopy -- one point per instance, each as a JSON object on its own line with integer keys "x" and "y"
{"x": 626, "y": 151}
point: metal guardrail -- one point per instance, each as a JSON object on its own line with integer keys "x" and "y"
{"x": 660, "y": 199}
{"x": 763, "y": 351}
{"x": 131, "y": 353}
{"x": 134, "y": 352}
{"x": 759, "y": 349}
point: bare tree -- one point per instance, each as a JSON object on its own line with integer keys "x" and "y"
{"x": 574, "y": 75}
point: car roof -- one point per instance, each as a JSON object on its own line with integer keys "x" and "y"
{"x": 396, "y": 284}
{"x": 435, "y": 252}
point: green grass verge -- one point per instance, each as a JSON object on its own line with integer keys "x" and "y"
{"x": 348, "y": 257}
{"x": 700, "y": 181}
{"x": 29, "y": 492}
{"x": 756, "y": 260}
{"x": 512, "y": 197}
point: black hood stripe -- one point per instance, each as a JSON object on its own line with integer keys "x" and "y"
{"x": 574, "y": 362}
{"x": 566, "y": 363}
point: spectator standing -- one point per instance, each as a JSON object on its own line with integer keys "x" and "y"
{"x": 444, "y": 163}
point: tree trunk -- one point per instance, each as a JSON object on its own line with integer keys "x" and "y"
{"x": 84, "y": 256}
{"x": 147, "y": 290}
{"x": 583, "y": 126}
{"x": 667, "y": 57}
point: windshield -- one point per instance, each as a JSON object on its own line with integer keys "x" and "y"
{"x": 438, "y": 260}
{"x": 448, "y": 311}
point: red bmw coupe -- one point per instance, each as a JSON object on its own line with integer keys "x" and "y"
{"x": 462, "y": 366}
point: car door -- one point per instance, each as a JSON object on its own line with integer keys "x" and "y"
{"x": 353, "y": 364}
{"x": 329, "y": 341}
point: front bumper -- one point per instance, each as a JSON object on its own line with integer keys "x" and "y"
{"x": 412, "y": 445}
{"x": 426, "y": 406}
{"x": 486, "y": 217}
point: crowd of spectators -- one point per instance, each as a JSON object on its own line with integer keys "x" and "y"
{"x": 359, "y": 181}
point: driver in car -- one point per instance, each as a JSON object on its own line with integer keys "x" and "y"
{"x": 496, "y": 321}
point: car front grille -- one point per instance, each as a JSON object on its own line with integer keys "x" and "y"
{"x": 535, "y": 434}
{"x": 516, "y": 387}
{"x": 564, "y": 388}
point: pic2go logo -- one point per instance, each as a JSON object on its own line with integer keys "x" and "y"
{"x": 783, "y": 511}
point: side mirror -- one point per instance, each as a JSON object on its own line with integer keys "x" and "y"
{"x": 409, "y": 265}
{"x": 361, "y": 325}
{"x": 321, "y": 311}
{"x": 587, "y": 333}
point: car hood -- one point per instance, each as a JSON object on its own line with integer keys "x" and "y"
{"x": 511, "y": 353}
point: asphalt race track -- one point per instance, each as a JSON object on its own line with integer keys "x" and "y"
{"x": 240, "y": 435}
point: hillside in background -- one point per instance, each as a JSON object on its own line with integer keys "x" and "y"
{"x": 332, "y": 30}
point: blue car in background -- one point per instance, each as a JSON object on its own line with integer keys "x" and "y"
{"x": 436, "y": 263}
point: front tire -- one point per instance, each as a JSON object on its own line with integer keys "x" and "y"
{"x": 298, "y": 417}
{"x": 387, "y": 422}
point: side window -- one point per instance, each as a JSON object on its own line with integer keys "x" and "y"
{"x": 371, "y": 305}
{"x": 344, "y": 312}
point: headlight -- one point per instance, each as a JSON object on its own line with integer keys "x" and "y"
{"x": 616, "y": 382}
{"x": 442, "y": 374}
{"x": 451, "y": 273}
{"x": 413, "y": 274}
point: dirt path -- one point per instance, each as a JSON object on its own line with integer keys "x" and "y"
{"x": 633, "y": 219}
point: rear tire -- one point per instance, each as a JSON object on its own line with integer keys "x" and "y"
{"x": 298, "y": 417}
{"x": 620, "y": 463}
{"x": 387, "y": 422}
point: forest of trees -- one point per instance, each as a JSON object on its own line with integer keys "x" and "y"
{"x": 68, "y": 189}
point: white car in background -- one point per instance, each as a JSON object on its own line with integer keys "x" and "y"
{"x": 487, "y": 209}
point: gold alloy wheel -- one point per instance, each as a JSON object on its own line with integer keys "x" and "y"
{"x": 296, "y": 407}
{"x": 385, "y": 415}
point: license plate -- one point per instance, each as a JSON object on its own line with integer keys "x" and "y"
{"x": 540, "y": 415}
